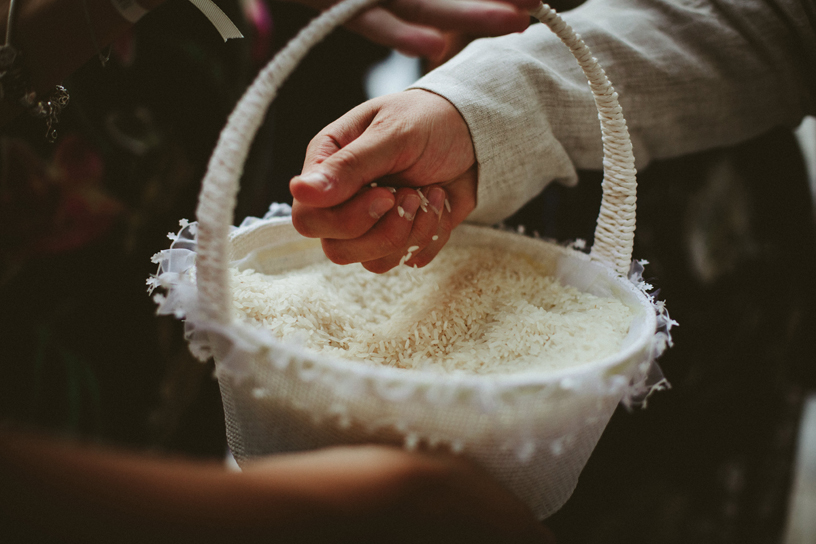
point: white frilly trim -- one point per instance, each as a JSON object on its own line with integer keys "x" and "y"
{"x": 649, "y": 377}
{"x": 348, "y": 379}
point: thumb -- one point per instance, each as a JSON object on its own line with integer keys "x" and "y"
{"x": 333, "y": 177}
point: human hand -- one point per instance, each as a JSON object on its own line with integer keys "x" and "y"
{"x": 92, "y": 493}
{"x": 414, "y": 27}
{"x": 409, "y": 140}
{"x": 384, "y": 494}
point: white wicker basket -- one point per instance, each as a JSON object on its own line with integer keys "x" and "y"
{"x": 532, "y": 431}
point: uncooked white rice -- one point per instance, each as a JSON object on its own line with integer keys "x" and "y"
{"x": 470, "y": 310}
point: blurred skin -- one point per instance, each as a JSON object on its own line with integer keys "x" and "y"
{"x": 413, "y": 139}
{"x": 78, "y": 493}
{"x": 55, "y": 38}
{"x": 416, "y": 27}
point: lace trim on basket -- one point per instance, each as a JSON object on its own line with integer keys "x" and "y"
{"x": 176, "y": 276}
{"x": 649, "y": 377}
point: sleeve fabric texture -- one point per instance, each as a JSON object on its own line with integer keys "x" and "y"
{"x": 691, "y": 74}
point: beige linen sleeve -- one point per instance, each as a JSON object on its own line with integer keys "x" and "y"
{"x": 692, "y": 75}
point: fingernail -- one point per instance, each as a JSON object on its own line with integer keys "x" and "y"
{"x": 318, "y": 180}
{"x": 436, "y": 199}
{"x": 379, "y": 207}
{"x": 410, "y": 205}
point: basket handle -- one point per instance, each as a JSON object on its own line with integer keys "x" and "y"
{"x": 615, "y": 228}
{"x": 216, "y": 202}
{"x": 614, "y": 234}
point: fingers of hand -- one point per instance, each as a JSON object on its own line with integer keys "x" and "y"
{"x": 460, "y": 201}
{"x": 339, "y": 134}
{"x": 334, "y": 181}
{"x": 346, "y": 156}
{"x": 381, "y": 26}
{"x": 462, "y": 195}
{"x": 350, "y": 219}
{"x": 476, "y": 17}
{"x": 413, "y": 26}
{"x": 387, "y": 237}
{"x": 415, "y": 227}
{"x": 424, "y": 234}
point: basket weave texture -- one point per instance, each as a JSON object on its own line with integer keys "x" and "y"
{"x": 531, "y": 431}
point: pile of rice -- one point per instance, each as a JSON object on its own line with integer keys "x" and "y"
{"x": 471, "y": 310}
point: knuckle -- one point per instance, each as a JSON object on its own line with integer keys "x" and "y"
{"x": 346, "y": 160}
{"x": 316, "y": 145}
{"x": 423, "y": 233}
{"x": 355, "y": 226}
{"x": 335, "y": 251}
{"x": 393, "y": 241}
{"x": 302, "y": 224}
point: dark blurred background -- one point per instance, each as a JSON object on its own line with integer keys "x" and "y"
{"x": 82, "y": 351}
{"x": 728, "y": 234}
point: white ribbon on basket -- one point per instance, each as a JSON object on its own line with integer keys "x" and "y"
{"x": 133, "y": 12}
{"x": 218, "y": 18}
